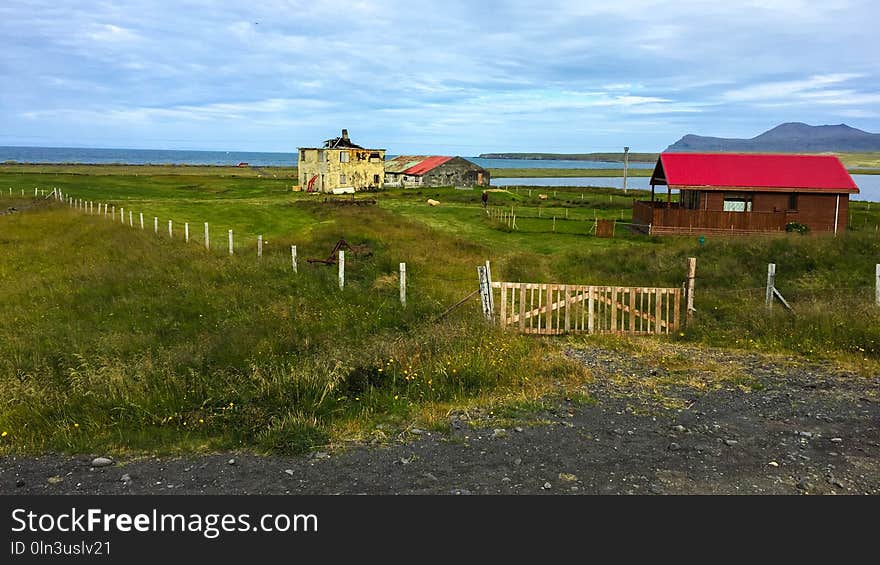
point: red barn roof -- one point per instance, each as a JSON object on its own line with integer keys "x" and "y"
{"x": 426, "y": 165}
{"x": 798, "y": 173}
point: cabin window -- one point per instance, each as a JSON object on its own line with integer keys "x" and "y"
{"x": 343, "y": 156}
{"x": 302, "y": 156}
{"x": 691, "y": 199}
{"x": 342, "y": 180}
{"x": 737, "y": 203}
{"x": 793, "y": 201}
{"x": 322, "y": 156}
{"x": 375, "y": 179}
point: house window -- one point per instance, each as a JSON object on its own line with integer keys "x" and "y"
{"x": 322, "y": 156}
{"x": 341, "y": 180}
{"x": 343, "y": 156}
{"x": 302, "y": 156}
{"x": 375, "y": 179}
{"x": 737, "y": 203}
{"x": 793, "y": 201}
{"x": 691, "y": 199}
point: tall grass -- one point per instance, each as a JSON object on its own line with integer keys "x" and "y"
{"x": 111, "y": 337}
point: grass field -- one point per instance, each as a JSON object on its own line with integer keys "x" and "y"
{"x": 113, "y": 338}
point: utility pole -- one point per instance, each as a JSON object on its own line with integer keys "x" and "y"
{"x": 625, "y": 165}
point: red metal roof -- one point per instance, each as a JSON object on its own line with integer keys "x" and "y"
{"x": 811, "y": 172}
{"x": 426, "y": 165}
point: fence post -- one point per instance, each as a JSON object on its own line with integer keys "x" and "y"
{"x": 141, "y": 214}
{"x": 877, "y": 285}
{"x": 485, "y": 290}
{"x": 170, "y": 231}
{"x": 293, "y": 257}
{"x": 231, "y": 252}
{"x": 186, "y": 232}
{"x": 491, "y": 293}
{"x": 121, "y": 215}
{"x": 341, "y": 269}
{"x": 130, "y": 219}
{"x": 259, "y": 246}
{"x": 156, "y": 225}
{"x": 692, "y": 273}
{"x": 403, "y": 283}
{"x": 207, "y": 237}
{"x": 771, "y": 284}
{"x": 113, "y": 212}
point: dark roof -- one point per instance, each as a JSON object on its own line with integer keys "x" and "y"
{"x": 340, "y": 143}
{"x": 773, "y": 172}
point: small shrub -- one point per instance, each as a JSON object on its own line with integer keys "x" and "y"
{"x": 795, "y": 227}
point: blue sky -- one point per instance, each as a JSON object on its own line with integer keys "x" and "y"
{"x": 430, "y": 77}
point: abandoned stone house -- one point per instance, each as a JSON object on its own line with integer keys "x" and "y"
{"x": 415, "y": 171}
{"x": 340, "y": 167}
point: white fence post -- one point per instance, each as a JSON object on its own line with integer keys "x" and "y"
{"x": 691, "y": 276}
{"x": 293, "y": 257}
{"x": 142, "y": 219}
{"x": 259, "y": 246}
{"x": 130, "y": 219}
{"x": 485, "y": 291}
{"x": 877, "y": 285}
{"x": 207, "y": 237}
{"x": 170, "y": 231}
{"x": 186, "y": 232}
{"x": 771, "y": 284}
{"x": 230, "y": 243}
{"x": 156, "y": 225}
{"x": 341, "y": 269}
{"x": 121, "y": 215}
{"x": 491, "y": 292}
{"x": 403, "y": 284}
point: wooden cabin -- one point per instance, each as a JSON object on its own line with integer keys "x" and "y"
{"x": 741, "y": 193}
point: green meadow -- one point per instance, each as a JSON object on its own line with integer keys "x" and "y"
{"x": 118, "y": 339}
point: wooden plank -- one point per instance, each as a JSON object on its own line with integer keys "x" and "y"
{"x": 549, "y": 324}
{"x": 591, "y": 320}
{"x": 675, "y": 319}
{"x": 567, "y": 308}
{"x": 658, "y": 302}
{"x": 503, "y": 287}
{"x": 666, "y": 306}
{"x": 613, "y": 309}
{"x": 632, "y": 310}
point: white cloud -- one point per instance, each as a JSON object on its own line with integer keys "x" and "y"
{"x": 111, "y": 33}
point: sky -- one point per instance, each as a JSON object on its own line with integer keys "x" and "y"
{"x": 443, "y": 77}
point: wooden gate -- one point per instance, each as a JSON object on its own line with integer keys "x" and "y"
{"x": 552, "y": 309}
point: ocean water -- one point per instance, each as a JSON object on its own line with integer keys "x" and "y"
{"x": 143, "y": 156}
{"x": 161, "y": 156}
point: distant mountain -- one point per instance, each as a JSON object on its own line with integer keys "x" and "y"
{"x": 793, "y": 137}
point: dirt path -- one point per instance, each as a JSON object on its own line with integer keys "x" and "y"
{"x": 676, "y": 420}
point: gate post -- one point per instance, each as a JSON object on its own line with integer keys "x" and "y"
{"x": 485, "y": 293}
{"x": 691, "y": 275}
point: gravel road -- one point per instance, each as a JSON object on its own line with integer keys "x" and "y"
{"x": 741, "y": 424}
